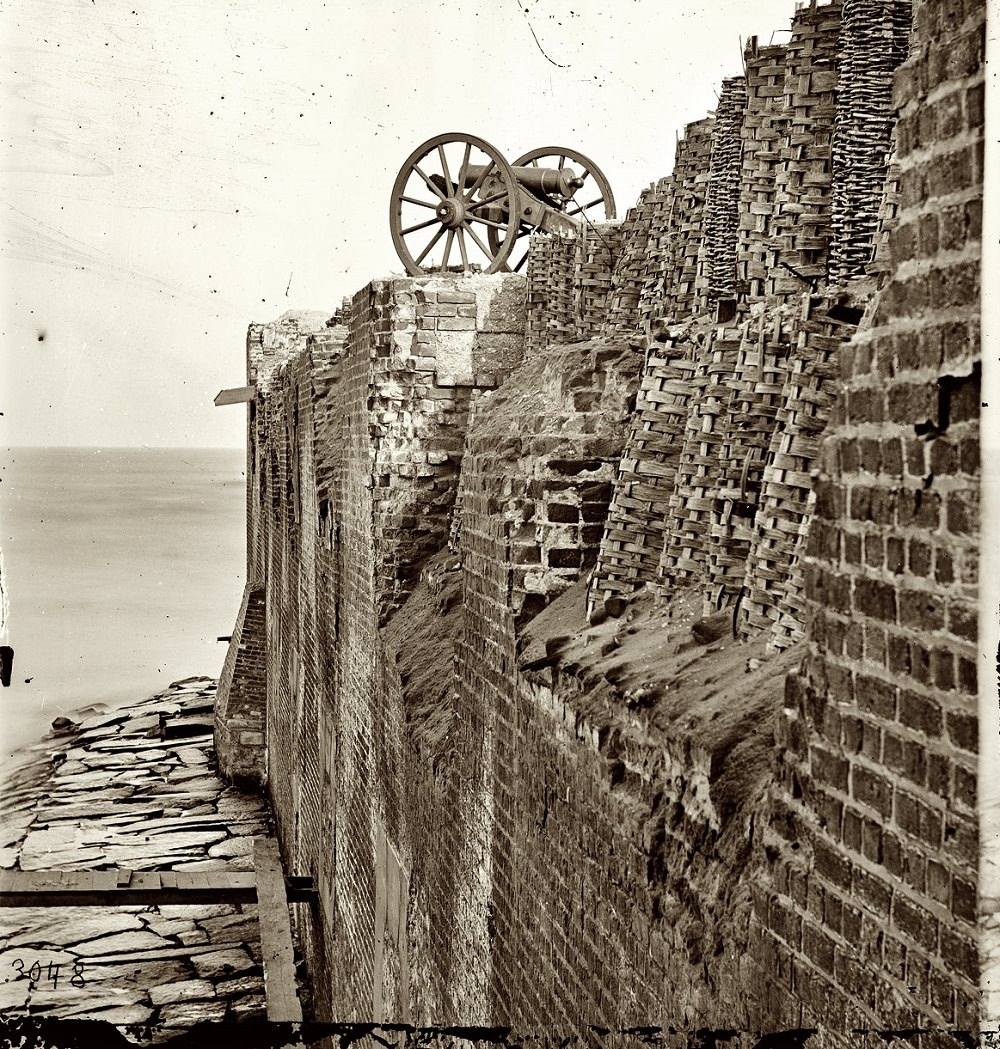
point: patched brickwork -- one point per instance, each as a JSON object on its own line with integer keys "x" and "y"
{"x": 535, "y": 494}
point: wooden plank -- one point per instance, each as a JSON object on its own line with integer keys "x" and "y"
{"x": 283, "y": 1004}
{"x": 193, "y": 879}
{"x": 378, "y": 981}
{"x": 46, "y": 880}
{"x": 235, "y": 395}
{"x": 124, "y": 888}
{"x": 103, "y": 880}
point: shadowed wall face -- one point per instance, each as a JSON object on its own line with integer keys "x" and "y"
{"x": 527, "y": 789}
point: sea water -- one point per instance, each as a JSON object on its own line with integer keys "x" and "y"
{"x": 122, "y": 567}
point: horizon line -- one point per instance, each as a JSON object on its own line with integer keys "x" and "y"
{"x": 132, "y": 447}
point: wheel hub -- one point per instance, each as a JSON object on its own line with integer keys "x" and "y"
{"x": 451, "y": 212}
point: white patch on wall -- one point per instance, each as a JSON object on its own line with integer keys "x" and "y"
{"x": 453, "y": 352}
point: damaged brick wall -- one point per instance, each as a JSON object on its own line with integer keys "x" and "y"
{"x": 536, "y": 798}
{"x": 873, "y": 842}
{"x": 356, "y": 441}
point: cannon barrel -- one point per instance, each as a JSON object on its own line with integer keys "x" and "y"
{"x": 563, "y": 181}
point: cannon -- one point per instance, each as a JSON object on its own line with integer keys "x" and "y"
{"x": 458, "y": 206}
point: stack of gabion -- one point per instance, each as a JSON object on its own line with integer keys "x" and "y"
{"x": 799, "y": 235}
{"x": 569, "y": 277}
{"x": 686, "y": 550}
{"x": 774, "y": 587}
{"x": 630, "y": 269}
{"x": 551, "y": 314}
{"x": 717, "y": 254}
{"x": 676, "y": 300}
{"x": 659, "y": 247}
{"x": 763, "y": 130}
{"x": 597, "y": 252}
{"x": 873, "y": 43}
{"x": 758, "y": 383}
{"x": 638, "y": 516}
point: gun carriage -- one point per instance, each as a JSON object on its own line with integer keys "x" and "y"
{"x": 459, "y": 206}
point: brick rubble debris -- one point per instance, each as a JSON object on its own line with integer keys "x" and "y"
{"x": 133, "y": 788}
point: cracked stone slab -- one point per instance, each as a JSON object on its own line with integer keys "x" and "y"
{"x": 66, "y": 1000}
{"x": 67, "y": 929}
{"x": 233, "y": 847}
{"x": 178, "y": 992}
{"x": 231, "y": 962}
{"x": 239, "y": 986}
{"x": 205, "y": 865}
{"x": 68, "y": 859}
{"x": 161, "y": 844}
{"x": 121, "y": 943}
{"x": 14, "y": 994}
{"x": 129, "y": 1014}
{"x": 145, "y": 975}
{"x": 186, "y": 1014}
{"x": 247, "y": 1007}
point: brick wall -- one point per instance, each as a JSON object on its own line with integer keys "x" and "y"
{"x": 356, "y": 440}
{"x": 239, "y": 705}
{"x": 870, "y": 909}
{"x": 526, "y": 803}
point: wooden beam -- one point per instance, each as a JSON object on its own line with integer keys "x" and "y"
{"x": 283, "y": 1004}
{"x": 237, "y": 395}
{"x": 123, "y": 888}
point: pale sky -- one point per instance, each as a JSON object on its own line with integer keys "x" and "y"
{"x": 174, "y": 171}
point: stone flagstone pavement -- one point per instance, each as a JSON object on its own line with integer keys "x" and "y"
{"x": 136, "y": 788}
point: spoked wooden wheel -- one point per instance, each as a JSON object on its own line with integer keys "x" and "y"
{"x": 593, "y": 200}
{"x": 449, "y": 207}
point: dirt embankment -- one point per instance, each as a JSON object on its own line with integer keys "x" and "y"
{"x": 660, "y": 668}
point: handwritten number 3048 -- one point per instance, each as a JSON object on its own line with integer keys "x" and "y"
{"x": 51, "y": 973}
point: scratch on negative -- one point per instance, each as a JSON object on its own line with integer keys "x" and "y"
{"x": 538, "y": 44}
